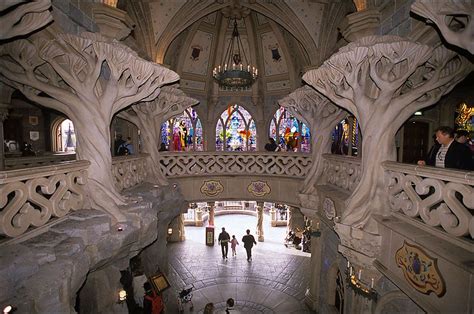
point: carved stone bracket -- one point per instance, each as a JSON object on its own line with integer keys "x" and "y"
{"x": 358, "y": 240}
{"x": 112, "y": 22}
{"x": 361, "y": 24}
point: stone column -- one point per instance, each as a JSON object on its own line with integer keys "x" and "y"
{"x": 198, "y": 217}
{"x": 212, "y": 208}
{"x": 273, "y": 217}
{"x": 295, "y": 219}
{"x": 312, "y": 296}
{"x": 3, "y": 116}
{"x": 260, "y": 221}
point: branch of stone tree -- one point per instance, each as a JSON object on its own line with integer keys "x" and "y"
{"x": 436, "y": 82}
{"x": 438, "y": 12}
{"x": 25, "y": 18}
{"x": 29, "y": 79}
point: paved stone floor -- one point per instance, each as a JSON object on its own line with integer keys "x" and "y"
{"x": 275, "y": 280}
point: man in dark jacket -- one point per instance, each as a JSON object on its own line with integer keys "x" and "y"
{"x": 450, "y": 154}
{"x": 224, "y": 239}
{"x": 248, "y": 241}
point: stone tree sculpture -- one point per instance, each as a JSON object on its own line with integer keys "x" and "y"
{"x": 322, "y": 115}
{"x": 454, "y": 19}
{"x": 149, "y": 116}
{"x": 88, "y": 78}
{"x": 383, "y": 80}
{"x": 23, "y": 17}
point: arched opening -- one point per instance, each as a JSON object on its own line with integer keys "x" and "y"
{"x": 236, "y": 130}
{"x": 183, "y": 132}
{"x": 63, "y": 136}
{"x": 346, "y": 139}
{"x": 290, "y": 133}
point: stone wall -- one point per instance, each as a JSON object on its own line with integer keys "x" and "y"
{"x": 395, "y": 18}
{"x": 43, "y": 274}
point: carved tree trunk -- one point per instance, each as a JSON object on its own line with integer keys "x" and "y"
{"x": 376, "y": 148}
{"x": 150, "y": 137}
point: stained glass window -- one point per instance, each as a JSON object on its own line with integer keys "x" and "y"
{"x": 183, "y": 132}
{"x": 236, "y": 130}
{"x": 290, "y": 133}
{"x": 345, "y": 137}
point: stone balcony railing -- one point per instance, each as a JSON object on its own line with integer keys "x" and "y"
{"x": 32, "y": 196}
{"x": 341, "y": 171}
{"x": 129, "y": 171}
{"x": 36, "y": 161}
{"x": 432, "y": 198}
{"x": 235, "y": 163}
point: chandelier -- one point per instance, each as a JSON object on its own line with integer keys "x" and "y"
{"x": 235, "y": 72}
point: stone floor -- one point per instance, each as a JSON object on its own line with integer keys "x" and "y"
{"x": 275, "y": 280}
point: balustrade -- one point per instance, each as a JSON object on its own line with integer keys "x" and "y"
{"x": 440, "y": 198}
{"x": 35, "y": 161}
{"x": 235, "y": 163}
{"x": 129, "y": 171}
{"x": 31, "y": 196}
{"x": 341, "y": 171}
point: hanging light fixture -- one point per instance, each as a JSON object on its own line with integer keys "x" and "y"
{"x": 235, "y": 72}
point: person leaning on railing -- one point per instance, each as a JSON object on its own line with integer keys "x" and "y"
{"x": 450, "y": 153}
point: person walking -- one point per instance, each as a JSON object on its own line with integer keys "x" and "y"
{"x": 224, "y": 239}
{"x": 233, "y": 244}
{"x": 248, "y": 241}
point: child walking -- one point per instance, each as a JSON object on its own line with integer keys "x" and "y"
{"x": 233, "y": 244}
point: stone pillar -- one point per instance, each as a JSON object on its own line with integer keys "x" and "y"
{"x": 3, "y": 116}
{"x": 212, "y": 208}
{"x": 112, "y": 22}
{"x": 176, "y": 227}
{"x": 312, "y": 296}
{"x": 260, "y": 221}
{"x": 295, "y": 219}
{"x": 198, "y": 217}
{"x": 273, "y": 217}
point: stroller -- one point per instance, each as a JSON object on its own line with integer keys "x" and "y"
{"x": 185, "y": 296}
{"x": 293, "y": 239}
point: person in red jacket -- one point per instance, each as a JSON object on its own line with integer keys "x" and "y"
{"x": 152, "y": 302}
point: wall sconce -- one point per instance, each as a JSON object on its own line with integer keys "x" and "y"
{"x": 122, "y": 296}
{"x": 170, "y": 231}
{"x": 358, "y": 285}
{"x": 8, "y": 309}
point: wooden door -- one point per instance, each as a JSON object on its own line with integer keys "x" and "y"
{"x": 415, "y": 141}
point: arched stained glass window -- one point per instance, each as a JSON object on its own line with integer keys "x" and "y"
{"x": 236, "y": 130}
{"x": 345, "y": 137}
{"x": 183, "y": 132}
{"x": 290, "y": 133}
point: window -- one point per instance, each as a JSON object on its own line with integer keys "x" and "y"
{"x": 64, "y": 136}
{"x": 183, "y": 132}
{"x": 236, "y": 130}
{"x": 345, "y": 137}
{"x": 290, "y": 133}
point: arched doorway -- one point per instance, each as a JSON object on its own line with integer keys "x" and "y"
{"x": 64, "y": 136}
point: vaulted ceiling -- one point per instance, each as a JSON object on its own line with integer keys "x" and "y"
{"x": 283, "y": 38}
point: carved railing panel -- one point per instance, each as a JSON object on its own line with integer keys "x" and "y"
{"x": 342, "y": 171}
{"x": 438, "y": 197}
{"x": 30, "y": 197}
{"x": 129, "y": 171}
{"x": 235, "y": 163}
